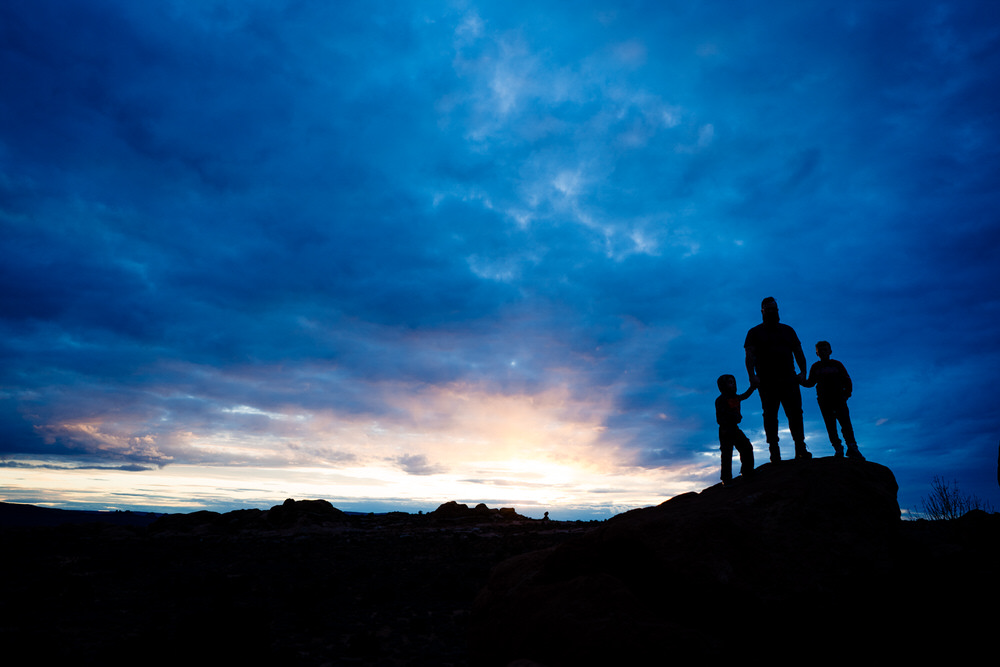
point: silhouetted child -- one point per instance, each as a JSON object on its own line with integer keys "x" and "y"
{"x": 833, "y": 388}
{"x": 728, "y": 415}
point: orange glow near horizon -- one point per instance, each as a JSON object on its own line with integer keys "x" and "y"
{"x": 546, "y": 452}
{"x": 181, "y": 488}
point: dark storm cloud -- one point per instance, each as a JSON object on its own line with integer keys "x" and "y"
{"x": 287, "y": 207}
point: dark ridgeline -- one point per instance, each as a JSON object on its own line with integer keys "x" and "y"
{"x": 804, "y": 560}
{"x": 14, "y": 514}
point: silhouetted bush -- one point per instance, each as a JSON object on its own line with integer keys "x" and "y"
{"x": 946, "y": 501}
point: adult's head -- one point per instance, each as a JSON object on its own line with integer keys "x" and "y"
{"x": 769, "y": 310}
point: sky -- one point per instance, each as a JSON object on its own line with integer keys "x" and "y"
{"x": 393, "y": 254}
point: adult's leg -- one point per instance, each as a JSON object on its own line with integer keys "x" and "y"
{"x": 770, "y": 399}
{"x": 791, "y": 401}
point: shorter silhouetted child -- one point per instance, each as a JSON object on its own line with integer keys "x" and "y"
{"x": 833, "y": 388}
{"x": 728, "y": 415}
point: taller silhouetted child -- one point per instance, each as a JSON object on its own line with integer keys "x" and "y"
{"x": 833, "y": 388}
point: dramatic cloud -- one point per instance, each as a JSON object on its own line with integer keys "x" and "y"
{"x": 483, "y": 251}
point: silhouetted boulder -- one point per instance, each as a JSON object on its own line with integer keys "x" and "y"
{"x": 452, "y": 510}
{"x": 797, "y": 547}
{"x": 292, "y": 513}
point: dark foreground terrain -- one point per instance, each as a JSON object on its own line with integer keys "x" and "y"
{"x": 803, "y": 562}
{"x": 300, "y": 584}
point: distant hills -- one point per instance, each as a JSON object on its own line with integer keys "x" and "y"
{"x": 16, "y": 514}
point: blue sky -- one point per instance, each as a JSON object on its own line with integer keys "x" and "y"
{"x": 393, "y": 254}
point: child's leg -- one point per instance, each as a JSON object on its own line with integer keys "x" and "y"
{"x": 829, "y": 413}
{"x": 745, "y": 448}
{"x": 726, "y": 447}
{"x": 844, "y": 417}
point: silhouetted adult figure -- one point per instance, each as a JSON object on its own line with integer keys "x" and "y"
{"x": 772, "y": 349}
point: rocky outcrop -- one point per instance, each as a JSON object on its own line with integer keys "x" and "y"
{"x": 292, "y": 514}
{"x": 799, "y": 551}
{"x": 452, "y": 510}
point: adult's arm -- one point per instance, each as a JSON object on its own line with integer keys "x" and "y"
{"x": 811, "y": 380}
{"x": 801, "y": 358}
{"x": 751, "y": 362}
